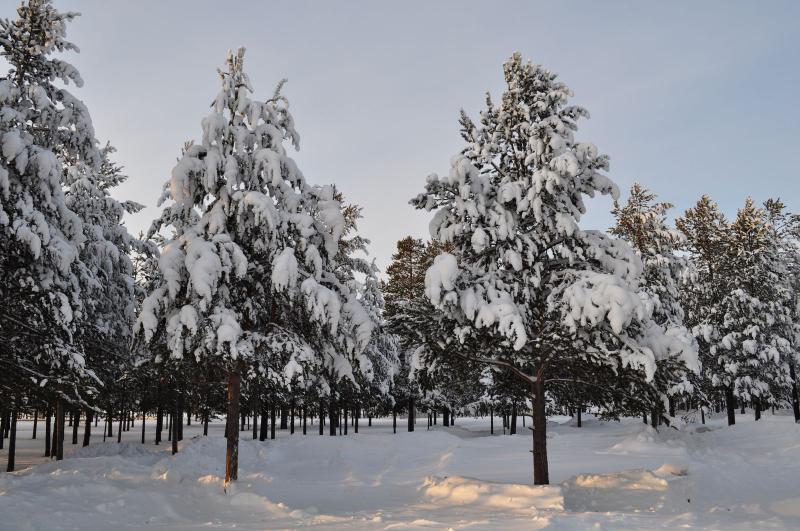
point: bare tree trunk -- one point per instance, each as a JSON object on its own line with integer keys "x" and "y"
{"x": 272, "y": 421}
{"x": 304, "y": 419}
{"x": 411, "y": 414}
{"x": 47, "y": 414}
{"x": 394, "y": 419}
{"x": 514, "y": 418}
{"x": 730, "y": 405}
{"x": 491, "y": 419}
{"x": 159, "y": 423}
{"x": 176, "y": 424}
{"x": 60, "y": 438}
{"x": 87, "y": 428}
{"x": 795, "y": 398}
{"x": 541, "y": 475}
{"x": 144, "y": 417}
{"x": 757, "y": 409}
{"x": 75, "y": 425}
{"x": 255, "y": 419}
{"x": 332, "y": 413}
{"x": 12, "y": 439}
{"x": 35, "y": 422}
{"x": 232, "y": 454}
{"x": 321, "y": 417}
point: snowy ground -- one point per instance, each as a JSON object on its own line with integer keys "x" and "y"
{"x": 605, "y": 476}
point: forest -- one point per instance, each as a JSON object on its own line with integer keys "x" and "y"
{"x": 252, "y": 299}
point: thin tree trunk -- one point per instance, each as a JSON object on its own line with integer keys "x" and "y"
{"x": 119, "y": 426}
{"x": 730, "y": 405}
{"x": 272, "y": 421}
{"x": 304, "y": 419}
{"x": 321, "y": 417}
{"x": 332, "y": 417}
{"x": 491, "y": 419}
{"x": 580, "y": 419}
{"x": 35, "y": 422}
{"x": 47, "y": 414}
{"x": 76, "y": 420}
{"x": 232, "y": 453}
{"x": 795, "y": 398}
{"x": 87, "y": 428}
{"x": 411, "y": 414}
{"x": 143, "y": 423}
{"x": 291, "y": 412}
{"x": 255, "y": 420}
{"x": 394, "y": 419}
{"x": 176, "y": 427}
{"x": 60, "y": 439}
{"x": 757, "y": 409}
{"x": 12, "y": 439}
{"x": 514, "y": 418}
{"x": 159, "y": 423}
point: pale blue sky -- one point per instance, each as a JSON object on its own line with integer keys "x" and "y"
{"x": 686, "y": 97}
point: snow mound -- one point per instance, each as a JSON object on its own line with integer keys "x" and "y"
{"x": 457, "y": 490}
{"x": 629, "y": 490}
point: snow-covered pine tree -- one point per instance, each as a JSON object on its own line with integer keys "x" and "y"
{"x": 704, "y": 229}
{"x": 642, "y": 223}
{"x": 536, "y": 293}
{"x": 755, "y": 340}
{"x": 784, "y": 235}
{"x": 104, "y": 332}
{"x": 248, "y": 270}
{"x": 42, "y": 125}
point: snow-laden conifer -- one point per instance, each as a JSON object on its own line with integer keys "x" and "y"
{"x": 544, "y": 298}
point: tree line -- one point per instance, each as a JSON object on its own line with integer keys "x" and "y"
{"x": 252, "y": 296}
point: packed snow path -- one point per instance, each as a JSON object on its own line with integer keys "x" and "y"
{"x": 614, "y": 475}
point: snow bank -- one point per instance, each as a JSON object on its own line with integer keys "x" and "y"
{"x": 466, "y": 491}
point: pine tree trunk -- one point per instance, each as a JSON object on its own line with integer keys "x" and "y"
{"x": 284, "y": 419}
{"x": 580, "y": 416}
{"x": 702, "y": 415}
{"x": 60, "y": 438}
{"x": 356, "y": 415}
{"x": 795, "y": 397}
{"x": 76, "y": 416}
{"x": 411, "y": 414}
{"x": 255, "y": 420}
{"x": 232, "y": 453}
{"x": 541, "y": 475}
{"x": 159, "y": 423}
{"x": 491, "y": 419}
{"x": 176, "y": 427}
{"x": 672, "y": 407}
{"x": 87, "y": 428}
{"x": 304, "y": 419}
{"x": 119, "y": 425}
{"x": 514, "y": 419}
{"x": 445, "y": 417}
{"x": 332, "y": 412}
{"x": 730, "y": 405}
{"x": 321, "y": 417}
{"x": 206, "y": 415}
{"x": 179, "y": 416}
{"x": 272, "y": 421}
{"x": 262, "y": 436}
{"x": 344, "y": 411}
{"x": 35, "y": 422}
{"x": 47, "y": 414}
{"x": 291, "y": 420}
{"x": 144, "y": 417}
{"x": 12, "y": 439}
{"x": 757, "y": 409}
{"x": 434, "y": 417}
{"x": 3, "y": 420}
{"x": 394, "y": 419}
